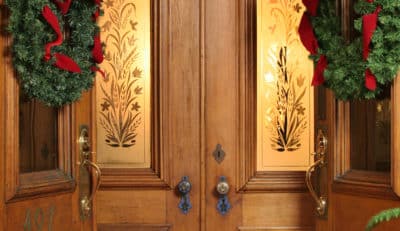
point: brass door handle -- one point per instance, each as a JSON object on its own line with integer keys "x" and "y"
{"x": 320, "y": 200}
{"x": 86, "y": 196}
{"x": 86, "y": 201}
{"x": 320, "y": 162}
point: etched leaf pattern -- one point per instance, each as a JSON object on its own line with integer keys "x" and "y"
{"x": 286, "y": 120}
{"x": 121, "y": 112}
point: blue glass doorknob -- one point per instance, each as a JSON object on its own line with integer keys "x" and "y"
{"x": 184, "y": 187}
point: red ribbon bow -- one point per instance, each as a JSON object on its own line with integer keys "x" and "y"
{"x": 310, "y": 42}
{"x": 63, "y": 6}
{"x": 62, "y": 61}
{"x": 311, "y": 6}
{"x": 370, "y": 22}
{"x": 97, "y": 51}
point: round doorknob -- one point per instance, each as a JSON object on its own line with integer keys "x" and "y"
{"x": 184, "y": 185}
{"x": 223, "y": 186}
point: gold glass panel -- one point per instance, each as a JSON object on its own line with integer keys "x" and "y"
{"x": 38, "y": 136}
{"x": 284, "y": 94}
{"x": 123, "y": 96}
{"x": 370, "y": 130}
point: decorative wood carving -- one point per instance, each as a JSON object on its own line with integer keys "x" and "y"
{"x": 249, "y": 179}
{"x": 157, "y": 176}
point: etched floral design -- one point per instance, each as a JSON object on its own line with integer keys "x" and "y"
{"x": 121, "y": 109}
{"x": 287, "y": 118}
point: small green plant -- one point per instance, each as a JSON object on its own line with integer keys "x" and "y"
{"x": 385, "y": 215}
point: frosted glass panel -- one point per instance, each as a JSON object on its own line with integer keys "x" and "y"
{"x": 284, "y": 93}
{"x": 123, "y": 96}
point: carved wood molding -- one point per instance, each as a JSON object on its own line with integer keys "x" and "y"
{"x": 249, "y": 179}
{"x": 137, "y": 227}
{"x": 157, "y": 176}
{"x": 131, "y": 178}
{"x": 396, "y": 136}
{"x": 35, "y": 184}
{"x": 250, "y": 228}
{"x": 356, "y": 182}
{"x": 276, "y": 181}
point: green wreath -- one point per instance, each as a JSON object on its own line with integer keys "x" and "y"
{"x": 44, "y": 80}
{"x": 346, "y": 68}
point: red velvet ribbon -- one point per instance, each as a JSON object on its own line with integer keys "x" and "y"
{"x": 97, "y": 51}
{"x": 66, "y": 63}
{"x": 94, "y": 69}
{"x": 63, "y": 5}
{"x": 310, "y": 42}
{"x": 62, "y": 61}
{"x": 311, "y": 6}
{"x": 370, "y": 80}
{"x": 318, "y": 77}
{"x": 307, "y": 35}
{"x": 370, "y": 22}
{"x": 51, "y": 18}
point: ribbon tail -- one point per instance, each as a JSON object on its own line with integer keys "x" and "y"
{"x": 318, "y": 77}
{"x": 66, "y": 63}
{"x": 307, "y": 35}
{"x": 63, "y": 6}
{"x": 96, "y": 69}
{"x": 370, "y": 22}
{"x": 311, "y": 6}
{"x": 370, "y": 80}
{"x": 97, "y": 12}
{"x": 51, "y": 18}
{"x": 97, "y": 51}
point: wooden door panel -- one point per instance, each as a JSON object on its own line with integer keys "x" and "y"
{"x": 220, "y": 47}
{"x": 274, "y": 210}
{"x": 3, "y": 59}
{"x": 261, "y": 200}
{"x": 38, "y": 200}
{"x": 146, "y": 198}
{"x": 144, "y": 206}
{"x": 49, "y": 213}
{"x": 353, "y": 212}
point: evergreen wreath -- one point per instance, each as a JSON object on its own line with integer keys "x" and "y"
{"x": 51, "y": 68}
{"x": 364, "y": 67}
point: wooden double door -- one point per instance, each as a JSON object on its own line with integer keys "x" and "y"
{"x": 203, "y": 130}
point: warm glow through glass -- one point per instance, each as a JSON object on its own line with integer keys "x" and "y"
{"x": 284, "y": 93}
{"x": 123, "y": 96}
